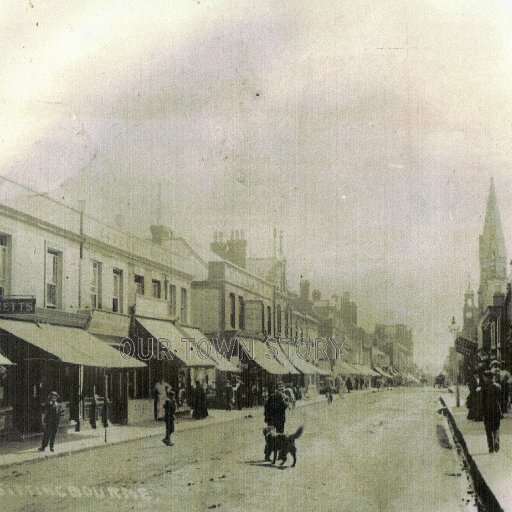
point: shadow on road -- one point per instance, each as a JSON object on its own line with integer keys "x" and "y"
{"x": 264, "y": 464}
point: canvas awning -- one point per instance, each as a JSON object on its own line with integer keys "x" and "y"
{"x": 69, "y": 344}
{"x": 369, "y": 371}
{"x": 268, "y": 356}
{"x": 346, "y": 369}
{"x": 303, "y": 366}
{"x": 177, "y": 347}
{"x": 383, "y": 373}
{"x": 365, "y": 370}
{"x": 4, "y": 361}
{"x": 221, "y": 363}
{"x": 322, "y": 371}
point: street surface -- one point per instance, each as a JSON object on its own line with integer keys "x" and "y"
{"x": 366, "y": 452}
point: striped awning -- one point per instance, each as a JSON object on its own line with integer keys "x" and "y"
{"x": 176, "y": 343}
{"x": 221, "y": 363}
{"x": 69, "y": 344}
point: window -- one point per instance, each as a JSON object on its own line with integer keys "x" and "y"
{"x": 96, "y": 285}
{"x": 184, "y": 306}
{"x": 5, "y": 265}
{"x": 172, "y": 299}
{"x": 269, "y": 320}
{"x": 278, "y": 313}
{"x": 232, "y": 313}
{"x": 53, "y": 279}
{"x": 139, "y": 284}
{"x": 117, "y": 291}
{"x": 286, "y": 324}
{"x": 157, "y": 289}
{"x": 241, "y": 313}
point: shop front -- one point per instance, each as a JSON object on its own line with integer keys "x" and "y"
{"x": 173, "y": 358}
{"x": 7, "y": 369}
{"x": 57, "y": 358}
{"x": 214, "y": 379}
{"x": 264, "y": 364}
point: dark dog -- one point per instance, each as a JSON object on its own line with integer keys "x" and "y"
{"x": 280, "y": 444}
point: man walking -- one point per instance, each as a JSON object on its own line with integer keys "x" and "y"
{"x": 491, "y": 402}
{"x": 53, "y": 412}
{"x": 275, "y": 409}
{"x": 170, "y": 411}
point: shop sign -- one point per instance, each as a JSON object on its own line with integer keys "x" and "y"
{"x": 17, "y": 305}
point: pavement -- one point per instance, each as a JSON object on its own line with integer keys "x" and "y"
{"x": 14, "y": 453}
{"x": 494, "y": 469}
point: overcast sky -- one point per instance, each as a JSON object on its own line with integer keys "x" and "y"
{"x": 366, "y": 130}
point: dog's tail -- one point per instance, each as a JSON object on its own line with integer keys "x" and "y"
{"x": 298, "y": 433}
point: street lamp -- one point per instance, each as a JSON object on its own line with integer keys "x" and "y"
{"x": 454, "y": 329}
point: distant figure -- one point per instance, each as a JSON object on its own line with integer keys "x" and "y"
{"x": 337, "y": 383}
{"x": 254, "y": 395}
{"x": 53, "y": 412}
{"x": 275, "y": 409}
{"x": 349, "y": 385}
{"x": 159, "y": 397}
{"x": 239, "y": 393}
{"x": 491, "y": 402}
{"x": 228, "y": 393}
{"x": 328, "y": 389}
{"x": 200, "y": 409}
{"x": 290, "y": 395}
{"x": 170, "y": 410}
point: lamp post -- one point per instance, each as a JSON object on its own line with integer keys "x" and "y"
{"x": 454, "y": 329}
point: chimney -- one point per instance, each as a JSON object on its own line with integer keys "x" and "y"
{"x": 345, "y": 297}
{"x": 118, "y": 220}
{"x": 304, "y": 290}
{"x": 498, "y": 299}
{"x": 316, "y": 295}
{"x": 237, "y": 250}
{"x": 159, "y": 234}
{"x": 218, "y": 246}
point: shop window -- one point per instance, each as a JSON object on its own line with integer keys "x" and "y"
{"x": 53, "y": 279}
{"x": 232, "y": 312}
{"x": 5, "y": 265}
{"x": 139, "y": 284}
{"x": 184, "y": 306}
{"x": 117, "y": 291}
{"x": 241, "y": 313}
{"x": 96, "y": 285}
{"x": 157, "y": 288}
{"x": 172, "y": 299}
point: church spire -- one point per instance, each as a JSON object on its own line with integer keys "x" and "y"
{"x": 493, "y": 256}
{"x": 492, "y": 224}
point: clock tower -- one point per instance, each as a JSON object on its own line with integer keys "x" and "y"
{"x": 470, "y": 315}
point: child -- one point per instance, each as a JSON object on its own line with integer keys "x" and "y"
{"x": 170, "y": 410}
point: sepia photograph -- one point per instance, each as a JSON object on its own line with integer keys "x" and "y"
{"x": 255, "y": 255}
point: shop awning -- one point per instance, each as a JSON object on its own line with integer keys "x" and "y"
{"x": 220, "y": 362}
{"x": 4, "y": 361}
{"x": 366, "y": 370}
{"x": 383, "y": 373}
{"x": 69, "y": 344}
{"x": 184, "y": 352}
{"x": 269, "y": 357}
{"x": 304, "y": 367}
{"x": 321, "y": 371}
{"x": 370, "y": 372}
{"x": 345, "y": 368}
